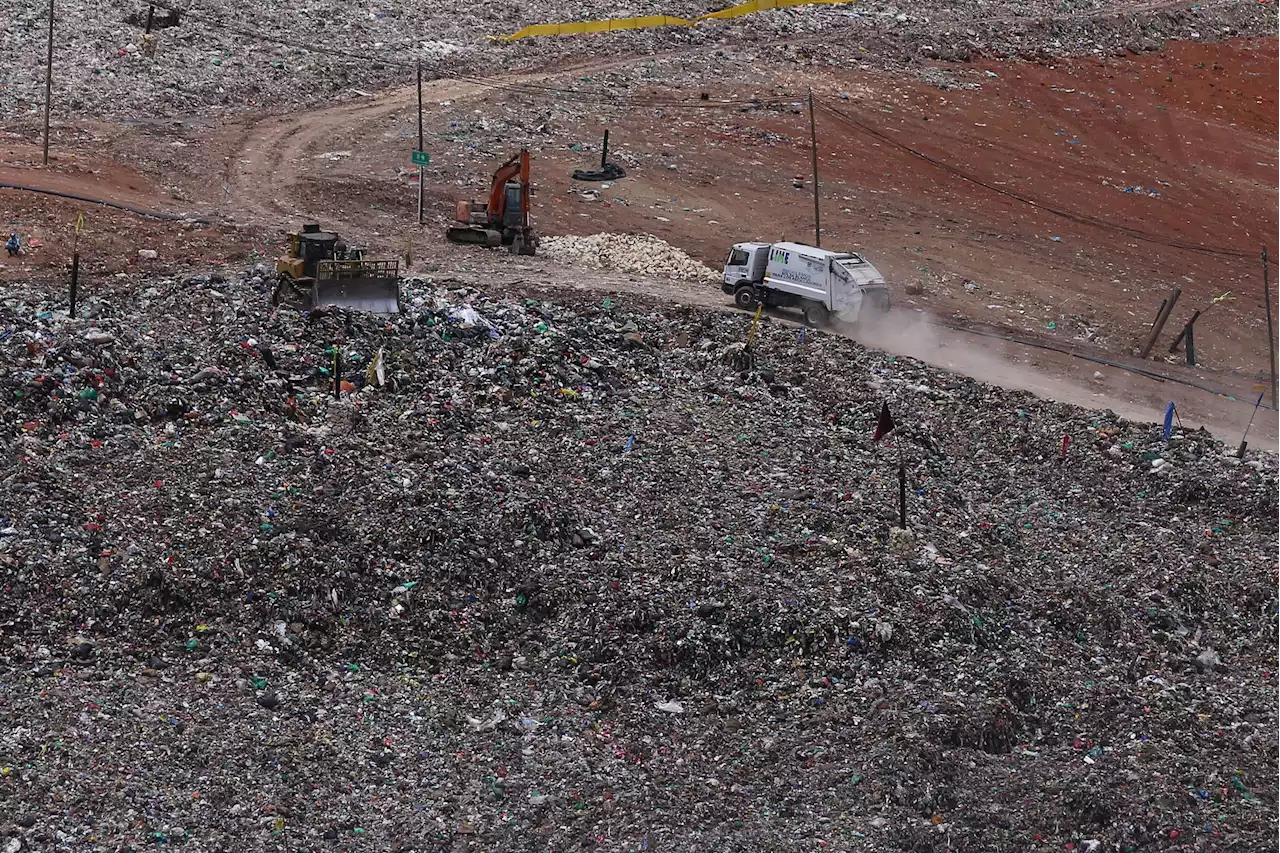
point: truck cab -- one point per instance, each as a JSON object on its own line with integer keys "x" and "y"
{"x": 744, "y": 268}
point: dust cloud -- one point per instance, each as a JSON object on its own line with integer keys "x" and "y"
{"x": 996, "y": 362}
{"x": 915, "y": 336}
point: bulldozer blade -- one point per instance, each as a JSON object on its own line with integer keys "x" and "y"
{"x": 376, "y": 296}
{"x": 472, "y": 235}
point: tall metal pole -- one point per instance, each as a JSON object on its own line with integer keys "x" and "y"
{"x": 420, "y": 139}
{"x": 813, "y": 142}
{"x": 1271, "y": 329}
{"x": 48, "y": 85}
{"x": 421, "y": 142}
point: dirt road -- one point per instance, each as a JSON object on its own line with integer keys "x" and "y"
{"x": 273, "y": 154}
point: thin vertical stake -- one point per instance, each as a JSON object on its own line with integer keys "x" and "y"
{"x": 813, "y": 142}
{"x": 75, "y": 281}
{"x": 1271, "y": 329}
{"x": 1177, "y": 342}
{"x": 48, "y": 86}
{"x": 1243, "y": 439}
{"x": 421, "y": 143}
{"x": 151, "y": 16}
{"x": 1161, "y": 319}
{"x": 902, "y": 490}
{"x": 604, "y": 149}
{"x": 1191, "y": 345}
{"x": 337, "y": 373}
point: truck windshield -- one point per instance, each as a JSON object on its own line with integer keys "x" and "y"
{"x": 738, "y": 258}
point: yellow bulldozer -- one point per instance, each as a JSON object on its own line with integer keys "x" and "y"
{"x": 320, "y": 269}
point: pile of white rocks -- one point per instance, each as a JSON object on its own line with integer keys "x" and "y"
{"x": 642, "y": 254}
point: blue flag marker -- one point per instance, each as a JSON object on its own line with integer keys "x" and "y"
{"x": 1168, "y": 421}
{"x": 800, "y": 336}
{"x": 630, "y": 441}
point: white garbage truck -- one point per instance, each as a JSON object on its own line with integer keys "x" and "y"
{"x": 820, "y": 282}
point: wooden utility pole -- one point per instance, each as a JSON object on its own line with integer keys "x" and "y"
{"x": 813, "y": 143}
{"x": 48, "y": 85}
{"x": 422, "y": 170}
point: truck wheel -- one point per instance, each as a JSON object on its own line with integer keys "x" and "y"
{"x": 815, "y": 314}
{"x": 744, "y": 298}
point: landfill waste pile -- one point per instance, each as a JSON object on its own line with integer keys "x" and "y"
{"x": 549, "y": 575}
{"x": 642, "y": 254}
{"x": 224, "y": 57}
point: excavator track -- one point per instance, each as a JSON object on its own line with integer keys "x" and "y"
{"x": 471, "y": 235}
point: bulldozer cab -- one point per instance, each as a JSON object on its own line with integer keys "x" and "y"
{"x": 314, "y": 247}
{"x": 306, "y": 249}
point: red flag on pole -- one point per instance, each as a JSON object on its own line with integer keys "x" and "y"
{"x": 884, "y": 424}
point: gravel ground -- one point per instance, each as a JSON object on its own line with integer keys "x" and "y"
{"x": 223, "y": 58}
{"x": 560, "y": 579}
{"x": 632, "y": 253}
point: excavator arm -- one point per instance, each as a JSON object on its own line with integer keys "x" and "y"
{"x": 517, "y": 165}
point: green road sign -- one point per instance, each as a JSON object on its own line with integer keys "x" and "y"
{"x": 421, "y": 158}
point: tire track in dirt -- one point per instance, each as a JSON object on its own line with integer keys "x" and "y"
{"x": 272, "y": 157}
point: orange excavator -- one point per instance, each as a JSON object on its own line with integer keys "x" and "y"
{"x": 504, "y": 220}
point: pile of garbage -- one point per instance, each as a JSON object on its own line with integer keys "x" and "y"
{"x": 513, "y": 573}
{"x": 640, "y": 254}
{"x": 223, "y": 57}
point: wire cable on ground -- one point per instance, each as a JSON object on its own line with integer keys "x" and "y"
{"x": 1078, "y": 218}
{"x": 140, "y": 211}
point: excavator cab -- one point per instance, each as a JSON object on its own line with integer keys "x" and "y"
{"x": 504, "y": 219}
{"x": 513, "y": 212}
